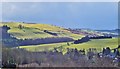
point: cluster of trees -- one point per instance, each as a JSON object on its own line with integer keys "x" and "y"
{"x": 100, "y": 37}
{"x": 20, "y": 26}
{"x": 7, "y": 40}
{"x": 4, "y": 30}
{"x": 84, "y": 39}
{"x": 46, "y": 31}
{"x": 53, "y": 58}
{"x": 87, "y": 38}
{"x": 108, "y": 52}
{"x": 45, "y": 40}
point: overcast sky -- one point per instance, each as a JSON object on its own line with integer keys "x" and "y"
{"x": 93, "y": 15}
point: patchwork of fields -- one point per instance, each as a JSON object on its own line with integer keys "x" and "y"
{"x": 48, "y": 44}
{"x": 33, "y": 31}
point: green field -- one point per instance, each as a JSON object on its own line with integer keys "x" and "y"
{"x": 42, "y": 47}
{"x": 95, "y": 43}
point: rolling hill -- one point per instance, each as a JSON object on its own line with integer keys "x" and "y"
{"x": 34, "y": 31}
{"x": 21, "y": 30}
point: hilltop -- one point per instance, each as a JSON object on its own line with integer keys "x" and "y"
{"x": 22, "y": 30}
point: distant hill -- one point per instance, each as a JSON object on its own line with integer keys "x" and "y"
{"x": 110, "y": 32}
{"x": 93, "y": 33}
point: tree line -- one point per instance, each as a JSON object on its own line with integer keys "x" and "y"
{"x": 73, "y": 57}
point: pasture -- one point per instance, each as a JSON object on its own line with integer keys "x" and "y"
{"x": 94, "y": 43}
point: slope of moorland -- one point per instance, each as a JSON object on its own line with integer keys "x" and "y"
{"x": 34, "y": 31}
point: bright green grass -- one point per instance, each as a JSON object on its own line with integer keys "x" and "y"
{"x": 96, "y": 43}
{"x": 42, "y": 47}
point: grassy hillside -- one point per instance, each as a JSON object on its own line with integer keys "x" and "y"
{"x": 33, "y": 31}
{"x": 96, "y": 43}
